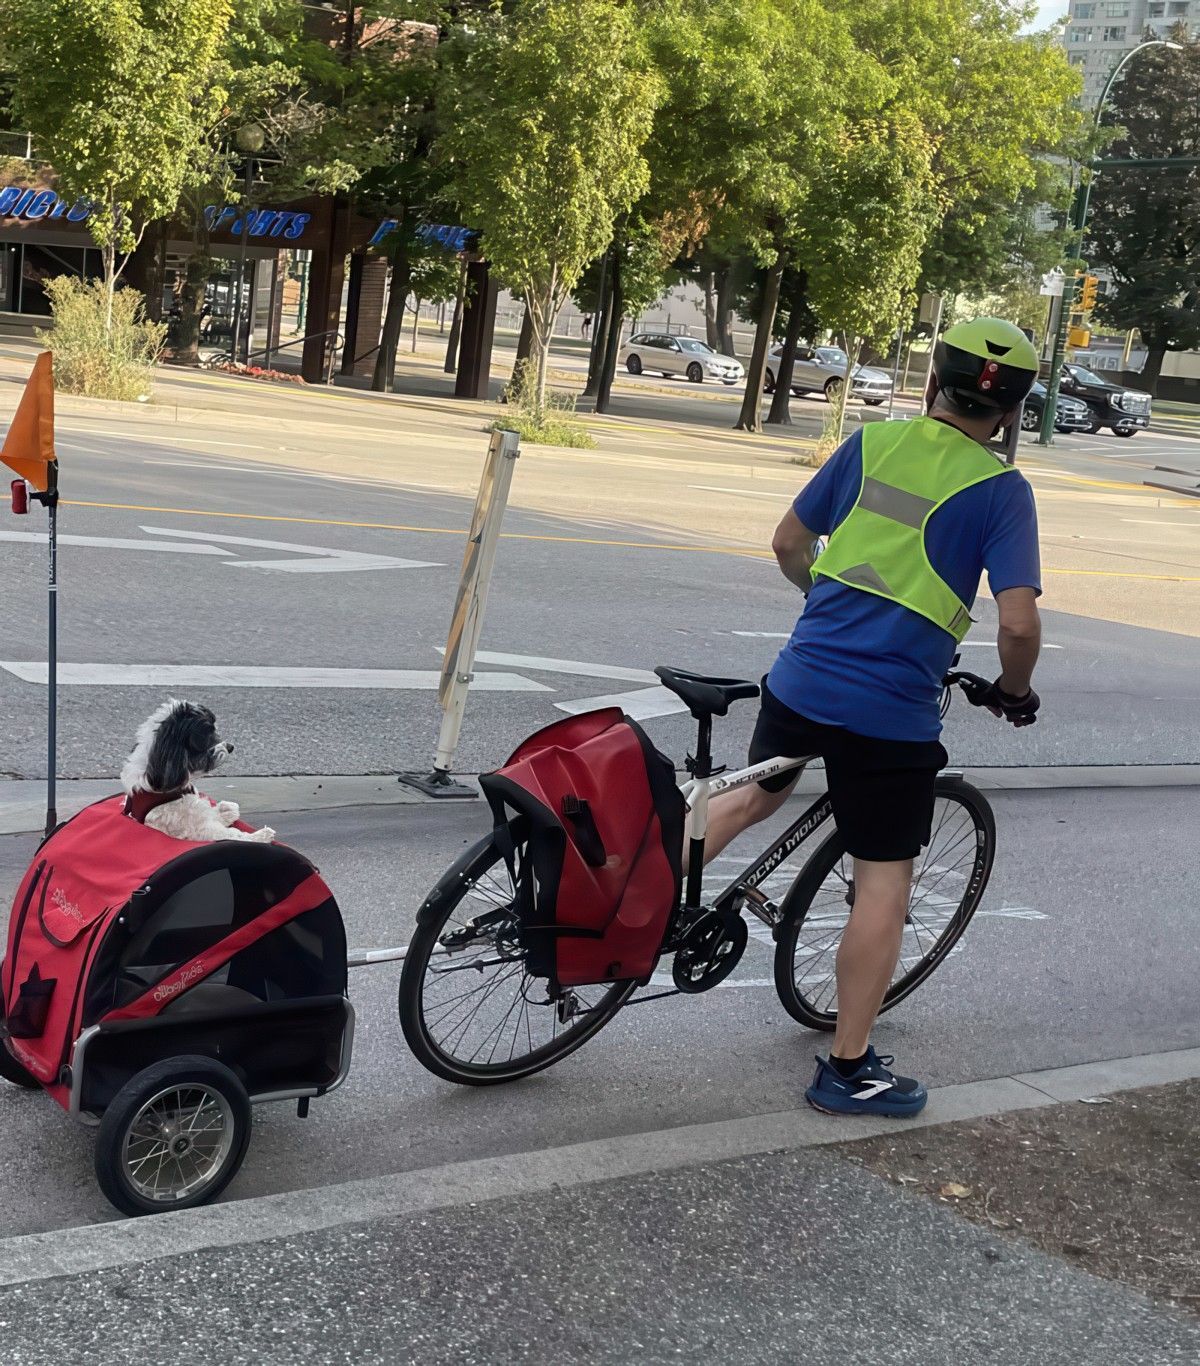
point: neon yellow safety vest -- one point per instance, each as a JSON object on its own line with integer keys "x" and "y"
{"x": 909, "y": 470}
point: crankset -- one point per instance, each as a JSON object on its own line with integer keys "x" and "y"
{"x": 709, "y": 950}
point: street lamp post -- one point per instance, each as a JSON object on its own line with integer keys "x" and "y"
{"x": 250, "y": 139}
{"x": 1083, "y": 199}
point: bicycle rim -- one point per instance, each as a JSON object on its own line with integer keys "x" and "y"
{"x": 949, "y": 879}
{"x": 470, "y": 1010}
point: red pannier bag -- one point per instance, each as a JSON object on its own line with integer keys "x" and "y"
{"x": 599, "y": 872}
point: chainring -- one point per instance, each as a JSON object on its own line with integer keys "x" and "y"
{"x": 710, "y": 949}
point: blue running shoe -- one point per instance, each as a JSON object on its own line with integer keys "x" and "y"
{"x": 872, "y": 1090}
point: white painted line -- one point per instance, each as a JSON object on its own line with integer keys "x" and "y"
{"x": 112, "y": 543}
{"x": 640, "y": 706}
{"x": 251, "y": 676}
{"x": 318, "y": 559}
{"x": 1149, "y": 521}
{"x": 565, "y": 666}
{"x": 745, "y": 493}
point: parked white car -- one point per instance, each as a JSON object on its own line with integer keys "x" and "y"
{"x": 656, "y": 352}
{"x": 823, "y": 368}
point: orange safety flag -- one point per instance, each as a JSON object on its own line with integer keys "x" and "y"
{"x": 29, "y": 446}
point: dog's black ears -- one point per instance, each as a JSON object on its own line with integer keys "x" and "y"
{"x": 185, "y": 737}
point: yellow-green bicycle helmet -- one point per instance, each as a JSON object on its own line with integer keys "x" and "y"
{"x": 984, "y": 366}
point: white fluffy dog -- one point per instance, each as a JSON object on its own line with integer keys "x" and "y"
{"x": 174, "y": 745}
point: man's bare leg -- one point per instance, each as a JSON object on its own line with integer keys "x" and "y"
{"x": 870, "y": 947}
{"x": 732, "y": 812}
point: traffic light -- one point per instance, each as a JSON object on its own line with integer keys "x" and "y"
{"x": 1080, "y": 337}
{"x": 1088, "y": 286}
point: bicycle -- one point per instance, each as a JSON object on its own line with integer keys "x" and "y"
{"x": 471, "y": 1012}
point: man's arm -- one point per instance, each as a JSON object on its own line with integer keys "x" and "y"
{"x": 1019, "y": 639}
{"x": 795, "y": 548}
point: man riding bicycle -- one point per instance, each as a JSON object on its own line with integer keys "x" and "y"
{"x": 914, "y": 513}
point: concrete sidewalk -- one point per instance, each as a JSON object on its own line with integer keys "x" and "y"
{"x": 738, "y": 1242}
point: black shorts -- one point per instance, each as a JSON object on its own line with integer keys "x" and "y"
{"x": 882, "y": 790}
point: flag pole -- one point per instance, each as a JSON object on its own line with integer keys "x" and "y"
{"x": 51, "y": 500}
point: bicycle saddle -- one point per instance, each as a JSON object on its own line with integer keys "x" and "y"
{"x": 705, "y": 696}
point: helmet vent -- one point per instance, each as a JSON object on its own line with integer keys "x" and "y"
{"x": 996, "y": 349}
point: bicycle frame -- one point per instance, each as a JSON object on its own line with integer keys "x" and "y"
{"x": 744, "y": 889}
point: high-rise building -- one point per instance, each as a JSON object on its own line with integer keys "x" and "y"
{"x": 1100, "y": 32}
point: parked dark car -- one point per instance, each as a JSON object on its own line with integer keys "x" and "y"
{"x": 1112, "y": 405}
{"x": 1071, "y": 414}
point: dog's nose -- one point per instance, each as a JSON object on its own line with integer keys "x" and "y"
{"x": 228, "y": 746}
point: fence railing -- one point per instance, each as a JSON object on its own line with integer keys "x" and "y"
{"x": 14, "y": 144}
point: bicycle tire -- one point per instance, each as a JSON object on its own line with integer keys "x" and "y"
{"x": 814, "y": 1009}
{"x": 464, "y": 877}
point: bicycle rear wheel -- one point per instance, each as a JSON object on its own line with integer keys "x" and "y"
{"x": 949, "y": 879}
{"x": 470, "y": 1011}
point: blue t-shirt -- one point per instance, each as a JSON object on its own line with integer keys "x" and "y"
{"x": 871, "y": 666}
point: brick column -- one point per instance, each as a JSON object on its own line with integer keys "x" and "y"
{"x": 372, "y": 295}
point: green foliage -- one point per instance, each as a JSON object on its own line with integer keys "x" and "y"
{"x": 1145, "y": 224}
{"x": 545, "y": 170}
{"x": 92, "y": 357}
{"x": 109, "y": 90}
{"x": 993, "y": 102}
{"x": 871, "y": 209}
{"x": 546, "y": 420}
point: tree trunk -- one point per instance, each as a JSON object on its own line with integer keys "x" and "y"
{"x": 724, "y": 311}
{"x": 460, "y": 299}
{"x": 599, "y": 348}
{"x": 516, "y": 381}
{"x": 384, "y": 376}
{"x": 781, "y": 411}
{"x": 750, "y": 418}
{"x": 612, "y": 342}
{"x": 843, "y": 396}
{"x": 1152, "y": 370}
{"x": 416, "y": 324}
{"x": 189, "y": 297}
{"x": 711, "y": 332}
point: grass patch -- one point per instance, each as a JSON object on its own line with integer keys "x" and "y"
{"x": 92, "y": 356}
{"x": 550, "y": 423}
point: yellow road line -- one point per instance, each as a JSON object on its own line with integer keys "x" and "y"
{"x": 1118, "y": 574}
{"x": 744, "y": 551}
{"x": 424, "y": 530}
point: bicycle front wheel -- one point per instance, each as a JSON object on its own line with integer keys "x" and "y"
{"x": 949, "y": 878}
{"x": 469, "y": 1009}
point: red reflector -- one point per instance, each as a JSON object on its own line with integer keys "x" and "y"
{"x": 20, "y": 497}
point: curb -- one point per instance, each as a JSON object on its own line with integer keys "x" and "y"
{"x": 23, "y": 808}
{"x": 96, "y": 1247}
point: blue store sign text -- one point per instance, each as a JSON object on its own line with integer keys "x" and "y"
{"x": 29, "y": 202}
{"x": 262, "y": 222}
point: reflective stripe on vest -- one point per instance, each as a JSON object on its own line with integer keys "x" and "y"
{"x": 910, "y": 469}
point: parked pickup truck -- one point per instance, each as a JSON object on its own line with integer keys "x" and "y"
{"x": 1112, "y": 405}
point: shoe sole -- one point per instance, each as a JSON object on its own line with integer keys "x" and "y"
{"x": 863, "y": 1110}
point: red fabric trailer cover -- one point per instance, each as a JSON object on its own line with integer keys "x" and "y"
{"x": 79, "y": 883}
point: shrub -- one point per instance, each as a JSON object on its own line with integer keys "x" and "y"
{"x": 93, "y": 356}
{"x": 552, "y": 423}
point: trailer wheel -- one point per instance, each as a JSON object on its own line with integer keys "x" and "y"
{"x": 173, "y": 1137}
{"x": 12, "y": 1070}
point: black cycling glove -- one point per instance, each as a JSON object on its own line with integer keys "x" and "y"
{"x": 1017, "y": 711}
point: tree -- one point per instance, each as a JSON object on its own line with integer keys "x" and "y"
{"x": 545, "y": 171}
{"x": 108, "y": 88}
{"x": 1145, "y": 223}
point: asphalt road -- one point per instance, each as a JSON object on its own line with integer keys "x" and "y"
{"x": 1084, "y": 949}
{"x": 228, "y": 552}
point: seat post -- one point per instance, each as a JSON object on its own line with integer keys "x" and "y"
{"x": 701, "y": 770}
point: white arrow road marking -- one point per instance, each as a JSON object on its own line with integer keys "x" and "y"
{"x": 112, "y": 543}
{"x": 250, "y": 676}
{"x": 640, "y": 705}
{"x": 565, "y": 666}
{"x": 320, "y": 559}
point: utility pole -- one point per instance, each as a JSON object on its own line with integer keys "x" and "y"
{"x": 1083, "y": 199}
